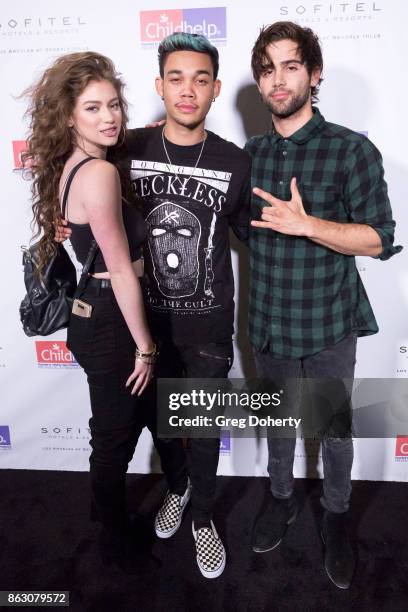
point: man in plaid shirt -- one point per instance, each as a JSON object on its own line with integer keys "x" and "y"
{"x": 319, "y": 200}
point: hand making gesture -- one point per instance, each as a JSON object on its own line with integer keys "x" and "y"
{"x": 286, "y": 217}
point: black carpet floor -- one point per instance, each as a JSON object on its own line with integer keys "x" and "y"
{"x": 47, "y": 543}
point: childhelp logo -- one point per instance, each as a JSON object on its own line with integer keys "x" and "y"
{"x": 401, "y": 448}
{"x": 5, "y": 442}
{"x": 19, "y": 147}
{"x": 156, "y": 25}
{"x": 54, "y": 354}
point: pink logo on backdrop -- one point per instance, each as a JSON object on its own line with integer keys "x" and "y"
{"x": 54, "y": 354}
{"x": 210, "y": 22}
{"x": 401, "y": 448}
{"x": 19, "y": 147}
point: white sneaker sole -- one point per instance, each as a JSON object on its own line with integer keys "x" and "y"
{"x": 214, "y": 573}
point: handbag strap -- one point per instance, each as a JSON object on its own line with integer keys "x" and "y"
{"x": 93, "y": 249}
{"x": 69, "y": 182}
{"x": 88, "y": 263}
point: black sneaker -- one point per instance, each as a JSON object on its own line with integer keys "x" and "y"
{"x": 124, "y": 546}
{"x": 339, "y": 560}
{"x": 272, "y": 524}
{"x": 168, "y": 518}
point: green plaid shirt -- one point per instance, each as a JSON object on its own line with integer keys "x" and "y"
{"x": 305, "y": 297}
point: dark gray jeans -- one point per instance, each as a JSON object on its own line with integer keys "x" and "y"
{"x": 336, "y": 362}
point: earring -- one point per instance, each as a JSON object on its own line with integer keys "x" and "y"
{"x": 162, "y": 97}
{"x": 213, "y": 99}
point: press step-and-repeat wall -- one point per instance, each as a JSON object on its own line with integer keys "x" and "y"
{"x": 44, "y": 408}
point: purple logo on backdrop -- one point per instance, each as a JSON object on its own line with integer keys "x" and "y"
{"x": 225, "y": 442}
{"x": 5, "y": 437}
{"x": 210, "y": 22}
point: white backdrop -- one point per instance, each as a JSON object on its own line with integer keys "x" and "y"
{"x": 44, "y": 407}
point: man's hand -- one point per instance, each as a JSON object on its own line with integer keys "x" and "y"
{"x": 290, "y": 218}
{"x": 284, "y": 217}
{"x": 61, "y": 231}
{"x": 155, "y": 123}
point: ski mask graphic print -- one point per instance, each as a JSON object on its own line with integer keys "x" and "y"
{"x": 173, "y": 239}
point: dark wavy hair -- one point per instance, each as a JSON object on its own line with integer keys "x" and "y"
{"x": 308, "y": 45}
{"x": 51, "y": 141}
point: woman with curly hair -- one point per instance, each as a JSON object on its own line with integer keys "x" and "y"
{"x": 77, "y": 111}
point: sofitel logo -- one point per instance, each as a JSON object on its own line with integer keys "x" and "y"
{"x": 29, "y": 23}
{"x": 156, "y": 25}
{"x": 225, "y": 442}
{"x": 401, "y": 448}
{"x": 66, "y": 432}
{"x": 54, "y": 354}
{"x": 5, "y": 442}
{"x": 331, "y": 9}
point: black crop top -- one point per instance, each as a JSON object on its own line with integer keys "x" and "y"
{"x": 82, "y": 235}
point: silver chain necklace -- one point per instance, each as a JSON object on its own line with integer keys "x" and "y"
{"x": 171, "y": 164}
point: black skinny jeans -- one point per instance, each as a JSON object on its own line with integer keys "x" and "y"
{"x": 206, "y": 360}
{"x": 335, "y": 363}
{"x": 105, "y": 349}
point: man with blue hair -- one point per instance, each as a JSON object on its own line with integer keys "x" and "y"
{"x": 194, "y": 186}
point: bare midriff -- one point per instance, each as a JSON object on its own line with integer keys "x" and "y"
{"x": 136, "y": 265}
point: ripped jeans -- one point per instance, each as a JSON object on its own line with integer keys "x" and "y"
{"x": 336, "y": 362}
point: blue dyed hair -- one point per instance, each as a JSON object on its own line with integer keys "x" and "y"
{"x": 183, "y": 41}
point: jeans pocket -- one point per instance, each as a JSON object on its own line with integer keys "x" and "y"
{"x": 80, "y": 335}
{"x": 221, "y": 355}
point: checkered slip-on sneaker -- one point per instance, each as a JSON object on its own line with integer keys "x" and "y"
{"x": 168, "y": 518}
{"x": 210, "y": 551}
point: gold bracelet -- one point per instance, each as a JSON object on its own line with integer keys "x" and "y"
{"x": 151, "y": 353}
{"x": 143, "y": 360}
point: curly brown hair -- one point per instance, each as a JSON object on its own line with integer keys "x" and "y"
{"x": 307, "y": 41}
{"x": 51, "y": 141}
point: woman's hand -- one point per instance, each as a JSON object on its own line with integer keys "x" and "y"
{"x": 142, "y": 375}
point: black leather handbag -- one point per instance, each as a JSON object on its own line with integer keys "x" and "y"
{"x": 47, "y": 305}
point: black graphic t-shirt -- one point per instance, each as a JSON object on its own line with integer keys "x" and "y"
{"x": 189, "y": 285}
